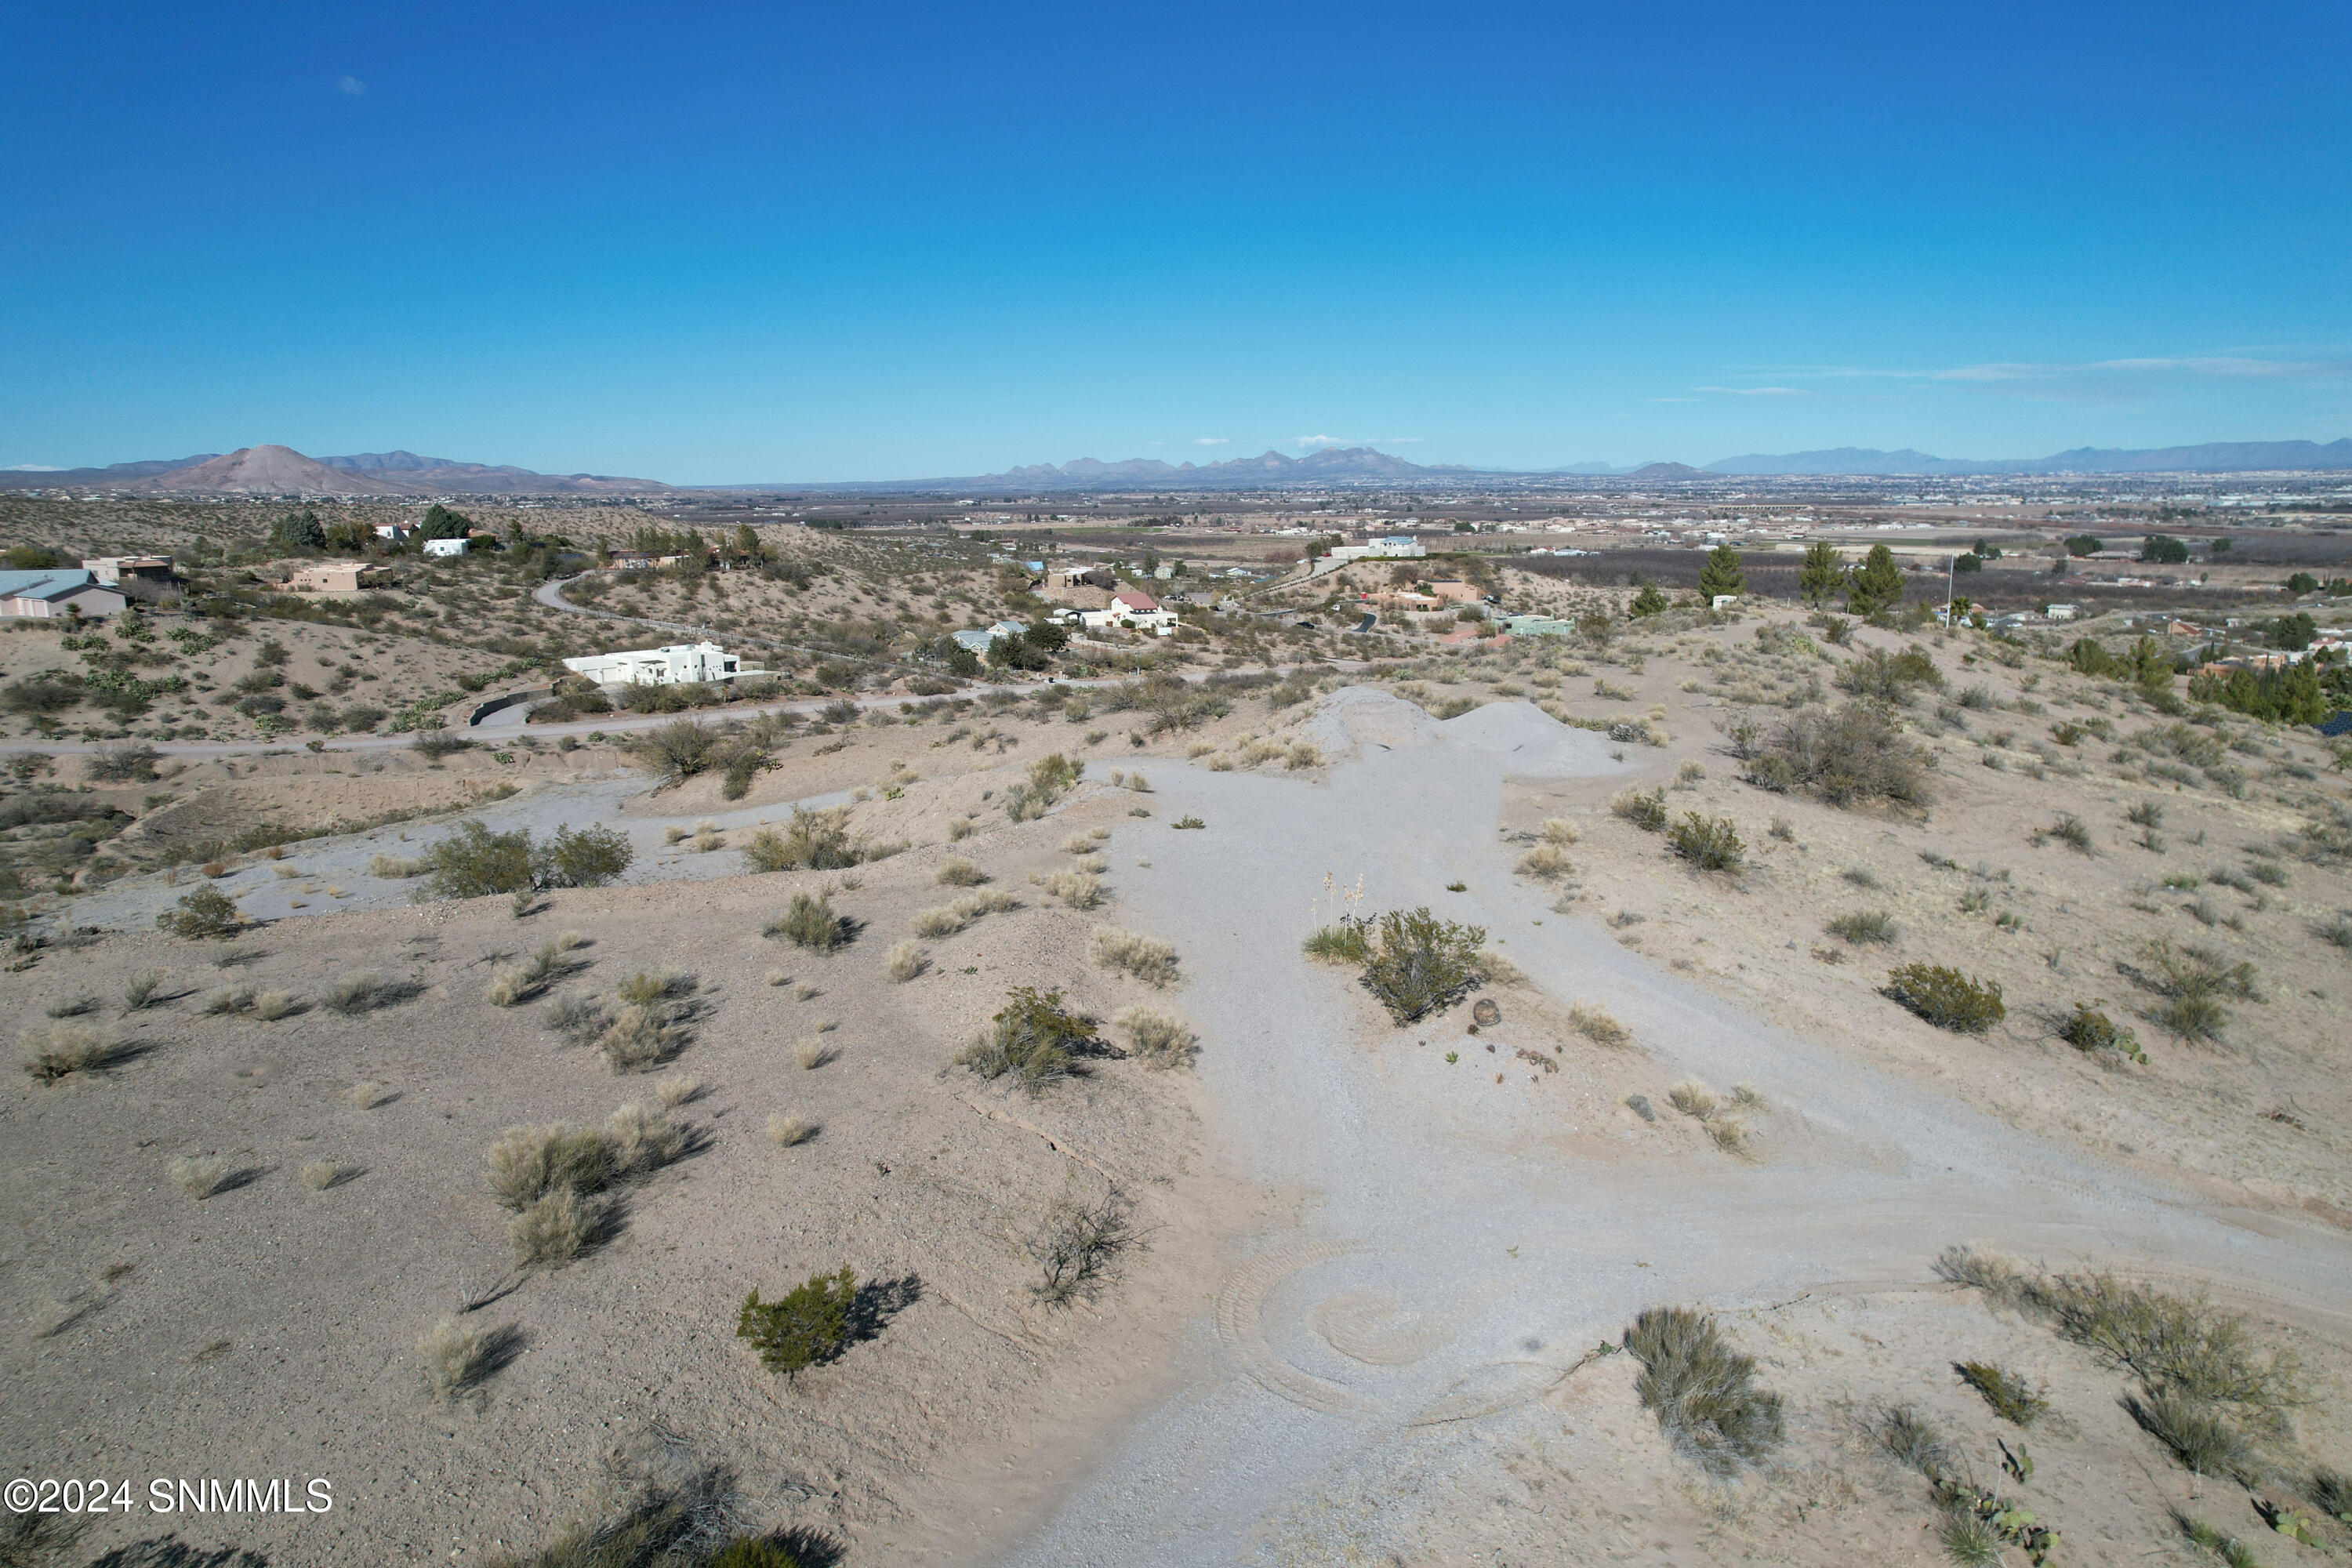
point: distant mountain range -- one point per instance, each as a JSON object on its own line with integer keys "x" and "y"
{"x": 283, "y": 471}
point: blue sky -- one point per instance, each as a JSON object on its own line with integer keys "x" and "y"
{"x": 712, "y": 243}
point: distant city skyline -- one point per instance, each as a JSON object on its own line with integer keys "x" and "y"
{"x": 709, "y": 244}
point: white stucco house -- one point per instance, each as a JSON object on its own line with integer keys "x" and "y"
{"x": 683, "y": 662}
{"x": 446, "y": 546}
{"x": 1134, "y": 608}
{"x": 1395, "y": 547}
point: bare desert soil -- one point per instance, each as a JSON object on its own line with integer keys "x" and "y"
{"x": 1380, "y": 1262}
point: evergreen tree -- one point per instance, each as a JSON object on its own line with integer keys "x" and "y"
{"x": 1877, "y": 586}
{"x": 298, "y": 530}
{"x": 440, "y": 522}
{"x": 1722, "y": 574}
{"x": 1648, "y": 602}
{"x": 1822, "y": 574}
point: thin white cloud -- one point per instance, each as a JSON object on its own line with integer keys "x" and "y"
{"x": 1359, "y": 440}
{"x": 1759, "y": 391}
{"x": 2229, "y": 367}
{"x": 1213, "y": 440}
{"x": 35, "y": 468}
{"x": 351, "y": 86}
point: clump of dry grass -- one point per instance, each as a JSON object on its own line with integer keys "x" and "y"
{"x": 1545, "y": 862}
{"x": 529, "y": 1163}
{"x": 906, "y": 961}
{"x": 551, "y": 1231}
{"x": 199, "y": 1175}
{"x": 368, "y": 1093}
{"x": 997, "y": 902}
{"x": 573, "y": 1013}
{"x": 1158, "y": 1039}
{"x": 959, "y": 872}
{"x": 139, "y": 989}
{"x": 394, "y": 868}
{"x": 1078, "y": 889}
{"x": 1695, "y": 1100}
{"x": 1558, "y": 830}
{"x": 1702, "y": 1391}
{"x": 454, "y": 1357}
{"x": 937, "y": 922}
{"x": 678, "y": 1088}
{"x": 272, "y": 1006}
{"x": 812, "y": 1054}
{"x": 1596, "y": 1024}
{"x": 789, "y": 1131}
{"x": 59, "y": 1050}
{"x": 1146, "y": 959}
{"x": 320, "y": 1174}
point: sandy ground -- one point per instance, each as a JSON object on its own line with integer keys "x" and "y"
{"x": 1361, "y": 1330}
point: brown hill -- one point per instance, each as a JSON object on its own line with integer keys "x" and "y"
{"x": 272, "y": 470}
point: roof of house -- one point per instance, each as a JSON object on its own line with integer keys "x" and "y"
{"x": 46, "y": 585}
{"x": 1135, "y": 598}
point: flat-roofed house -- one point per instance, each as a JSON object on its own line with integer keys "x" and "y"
{"x": 678, "y": 664}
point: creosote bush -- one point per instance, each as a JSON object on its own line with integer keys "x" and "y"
{"x": 1702, "y": 1391}
{"x": 1947, "y": 998}
{"x": 1146, "y": 959}
{"x": 1419, "y": 964}
{"x": 1853, "y": 754}
{"x": 2009, "y": 1396}
{"x": 809, "y": 923}
{"x": 1076, "y": 1243}
{"x": 206, "y": 913}
{"x": 809, "y": 1324}
{"x": 1711, "y": 845}
{"x": 2093, "y": 1032}
{"x": 812, "y": 840}
{"x": 1034, "y": 1039}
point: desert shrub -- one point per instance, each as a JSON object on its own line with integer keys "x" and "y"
{"x": 1702, "y": 1391}
{"x": 1158, "y": 1039}
{"x": 1598, "y": 1024}
{"x": 435, "y": 744}
{"x": 272, "y": 1005}
{"x": 1861, "y": 926}
{"x": 475, "y": 862}
{"x": 1034, "y": 1039}
{"x": 807, "y": 1325}
{"x": 1420, "y": 963}
{"x": 1050, "y": 778}
{"x": 2205, "y": 1441}
{"x": 790, "y": 1131}
{"x": 1947, "y": 998}
{"x": 59, "y": 1050}
{"x": 392, "y": 867}
{"x": 1148, "y": 959}
{"x": 957, "y": 872}
{"x": 2337, "y": 931}
{"x": 229, "y": 1000}
{"x": 1644, "y": 811}
{"x": 936, "y": 922}
{"x": 1558, "y": 830}
{"x": 1910, "y": 1440}
{"x": 1076, "y": 1243}
{"x": 551, "y": 1231}
{"x": 455, "y": 1357}
{"x": 199, "y": 1175}
{"x": 906, "y": 961}
{"x": 1078, "y": 889}
{"x": 2009, "y": 1396}
{"x": 639, "y": 1142}
{"x": 1547, "y": 862}
{"x": 1347, "y": 942}
{"x": 2190, "y": 984}
{"x": 529, "y": 1163}
{"x": 812, "y": 840}
{"x": 2072, "y": 832}
{"x": 574, "y": 1014}
{"x": 122, "y": 765}
{"x": 320, "y": 1174}
{"x": 139, "y": 989}
{"x": 1711, "y": 845}
{"x": 206, "y": 913}
{"x": 809, "y": 923}
{"x": 1890, "y": 678}
{"x": 641, "y": 1037}
{"x": 2092, "y": 1032}
{"x": 584, "y": 857}
{"x": 1854, "y": 752}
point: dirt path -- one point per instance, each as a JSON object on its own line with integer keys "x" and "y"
{"x": 1459, "y": 1242}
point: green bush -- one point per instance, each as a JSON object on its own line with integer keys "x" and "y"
{"x": 1345, "y": 943}
{"x": 1702, "y": 1391}
{"x": 475, "y": 862}
{"x": 1710, "y": 844}
{"x": 1864, "y": 925}
{"x": 1851, "y": 753}
{"x": 2011, "y": 1397}
{"x": 812, "y": 840}
{"x": 1034, "y": 1038}
{"x": 810, "y": 922}
{"x": 2090, "y": 1031}
{"x": 1646, "y": 812}
{"x": 807, "y": 1325}
{"x": 1421, "y": 964}
{"x": 2288, "y": 696}
{"x": 585, "y": 857}
{"x": 1050, "y": 778}
{"x": 1947, "y": 998}
{"x": 1890, "y": 678}
{"x": 206, "y": 912}
{"x": 2191, "y": 983}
